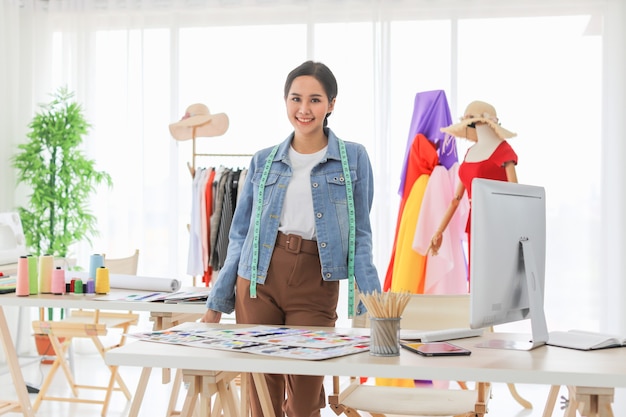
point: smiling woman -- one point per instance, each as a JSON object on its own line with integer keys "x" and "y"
{"x": 382, "y": 56}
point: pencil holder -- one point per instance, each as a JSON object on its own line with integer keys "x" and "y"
{"x": 385, "y": 336}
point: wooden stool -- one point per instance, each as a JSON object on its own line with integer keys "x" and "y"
{"x": 203, "y": 385}
{"x": 82, "y": 325}
{"x": 588, "y": 401}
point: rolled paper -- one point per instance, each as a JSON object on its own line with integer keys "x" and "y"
{"x": 33, "y": 275}
{"x": 103, "y": 285}
{"x": 78, "y": 286}
{"x": 95, "y": 261}
{"x": 46, "y": 265}
{"x": 21, "y": 284}
{"x": 58, "y": 281}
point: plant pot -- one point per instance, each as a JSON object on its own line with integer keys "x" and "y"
{"x": 44, "y": 347}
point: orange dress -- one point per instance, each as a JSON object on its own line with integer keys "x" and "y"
{"x": 421, "y": 161}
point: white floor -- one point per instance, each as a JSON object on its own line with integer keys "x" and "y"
{"x": 90, "y": 371}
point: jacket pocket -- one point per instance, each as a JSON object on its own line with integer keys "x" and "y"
{"x": 270, "y": 185}
{"x": 337, "y": 186}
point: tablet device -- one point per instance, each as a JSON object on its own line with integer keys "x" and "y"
{"x": 436, "y": 349}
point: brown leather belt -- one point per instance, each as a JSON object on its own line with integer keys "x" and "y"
{"x": 295, "y": 244}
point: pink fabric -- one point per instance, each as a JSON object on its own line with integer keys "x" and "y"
{"x": 446, "y": 273}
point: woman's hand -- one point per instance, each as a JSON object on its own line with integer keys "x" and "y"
{"x": 211, "y": 316}
{"x": 435, "y": 244}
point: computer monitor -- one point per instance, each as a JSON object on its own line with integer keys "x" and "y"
{"x": 507, "y": 259}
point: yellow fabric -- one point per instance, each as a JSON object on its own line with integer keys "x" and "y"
{"x": 395, "y": 382}
{"x": 409, "y": 268}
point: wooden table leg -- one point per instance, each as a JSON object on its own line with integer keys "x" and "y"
{"x": 23, "y": 405}
{"x": 140, "y": 392}
{"x": 551, "y": 401}
{"x": 264, "y": 394}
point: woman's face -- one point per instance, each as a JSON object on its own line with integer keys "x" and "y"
{"x": 307, "y": 105}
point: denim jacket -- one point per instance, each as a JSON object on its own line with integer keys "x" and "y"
{"x": 331, "y": 220}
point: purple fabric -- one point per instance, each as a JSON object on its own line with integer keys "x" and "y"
{"x": 430, "y": 113}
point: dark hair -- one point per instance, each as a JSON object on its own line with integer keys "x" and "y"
{"x": 321, "y": 73}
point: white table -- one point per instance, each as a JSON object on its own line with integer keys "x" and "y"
{"x": 163, "y": 314}
{"x": 546, "y": 365}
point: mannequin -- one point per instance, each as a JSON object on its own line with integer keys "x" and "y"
{"x": 489, "y": 157}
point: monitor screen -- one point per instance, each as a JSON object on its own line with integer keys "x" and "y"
{"x": 507, "y": 258}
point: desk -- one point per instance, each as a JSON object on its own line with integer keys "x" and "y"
{"x": 86, "y": 301}
{"x": 546, "y": 365}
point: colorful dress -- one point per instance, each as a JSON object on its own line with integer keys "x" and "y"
{"x": 491, "y": 168}
{"x": 422, "y": 159}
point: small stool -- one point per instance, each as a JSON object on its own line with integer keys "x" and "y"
{"x": 202, "y": 385}
{"x": 588, "y": 401}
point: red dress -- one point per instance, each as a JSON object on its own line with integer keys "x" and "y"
{"x": 491, "y": 168}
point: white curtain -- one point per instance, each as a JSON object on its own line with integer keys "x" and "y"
{"x": 136, "y": 65}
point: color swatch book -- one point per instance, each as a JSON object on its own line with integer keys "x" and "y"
{"x": 265, "y": 340}
{"x": 288, "y": 336}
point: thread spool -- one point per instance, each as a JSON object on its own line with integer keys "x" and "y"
{"x": 21, "y": 284}
{"x": 95, "y": 261}
{"x": 46, "y": 265}
{"x": 33, "y": 275}
{"x": 58, "y": 281}
{"x": 78, "y": 286}
{"x": 91, "y": 286}
{"x": 103, "y": 285}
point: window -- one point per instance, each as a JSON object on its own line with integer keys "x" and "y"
{"x": 546, "y": 85}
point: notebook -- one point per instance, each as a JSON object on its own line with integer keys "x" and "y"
{"x": 7, "y": 284}
{"x": 585, "y": 340}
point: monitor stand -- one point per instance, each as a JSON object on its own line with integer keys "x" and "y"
{"x": 538, "y": 325}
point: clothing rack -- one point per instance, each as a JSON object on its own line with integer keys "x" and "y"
{"x": 194, "y": 154}
{"x": 193, "y": 165}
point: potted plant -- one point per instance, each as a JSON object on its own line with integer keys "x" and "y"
{"x": 60, "y": 177}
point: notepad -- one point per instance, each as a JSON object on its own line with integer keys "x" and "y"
{"x": 7, "y": 284}
{"x": 585, "y": 340}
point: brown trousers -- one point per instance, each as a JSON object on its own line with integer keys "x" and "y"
{"x": 293, "y": 294}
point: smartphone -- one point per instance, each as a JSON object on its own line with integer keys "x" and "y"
{"x": 436, "y": 349}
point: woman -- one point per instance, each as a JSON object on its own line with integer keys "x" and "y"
{"x": 289, "y": 242}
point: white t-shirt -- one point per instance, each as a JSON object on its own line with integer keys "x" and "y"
{"x": 297, "y": 216}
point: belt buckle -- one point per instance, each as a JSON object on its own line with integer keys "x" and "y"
{"x": 293, "y": 243}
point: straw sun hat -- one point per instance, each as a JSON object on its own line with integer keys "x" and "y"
{"x": 478, "y": 112}
{"x": 206, "y": 124}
